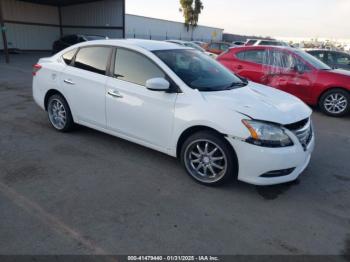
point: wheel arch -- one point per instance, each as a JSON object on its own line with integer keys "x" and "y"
{"x": 50, "y": 93}
{"x": 194, "y": 129}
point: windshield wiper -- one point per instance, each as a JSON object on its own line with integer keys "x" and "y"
{"x": 236, "y": 84}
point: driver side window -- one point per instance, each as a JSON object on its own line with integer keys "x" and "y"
{"x": 133, "y": 67}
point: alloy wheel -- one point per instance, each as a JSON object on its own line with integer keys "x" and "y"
{"x": 335, "y": 103}
{"x": 57, "y": 114}
{"x": 205, "y": 161}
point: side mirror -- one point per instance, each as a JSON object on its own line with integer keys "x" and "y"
{"x": 157, "y": 84}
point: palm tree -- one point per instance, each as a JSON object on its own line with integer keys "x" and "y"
{"x": 191, "y": 10}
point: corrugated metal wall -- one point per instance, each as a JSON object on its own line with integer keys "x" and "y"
{"x": 146, "y": 27}
{"x": 28, "y": 12}
{"x": 36, "y": 27}
{"x": 102, "y": 13}
{"x": 108, "y": 15}
{"x": 26, "y": 36}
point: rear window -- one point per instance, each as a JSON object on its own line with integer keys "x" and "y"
{"x": 93, "y": 59}
{"x": 255, "y": 56}
{"x": 68, "y": 57}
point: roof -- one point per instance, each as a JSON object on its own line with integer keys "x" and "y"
{"x": 150, "y": 45}
{"x": 257, "y": 47}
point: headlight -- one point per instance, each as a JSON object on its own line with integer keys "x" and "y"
{"x": 266, "y": 134}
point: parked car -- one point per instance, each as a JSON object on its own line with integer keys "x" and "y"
{"x": 217, "y": 47}
{"x": 293, "y": 71}
{"x": 237, "y": 43}
{"x": 334, "y": 59}
{"x": 70, "y": 40}
{"x": 200, "y": 43}
{"x": 180, "y": 102}
{"x": 250, "y": 42}
{"x": 192, "y": 45}
{"x": 255, "y": 42}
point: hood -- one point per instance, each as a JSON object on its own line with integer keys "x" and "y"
{"x": 261, "y": 103}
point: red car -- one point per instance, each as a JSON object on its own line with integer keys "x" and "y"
{"x": 293, "y": 71}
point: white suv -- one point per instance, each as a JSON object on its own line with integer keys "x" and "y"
{"x": 181, "y": 102}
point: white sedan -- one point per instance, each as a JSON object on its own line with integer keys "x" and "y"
{"x": 181, "y": 102}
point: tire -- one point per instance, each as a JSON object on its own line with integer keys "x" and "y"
{"x": 335, "y": 102}
{"x": 59, "y": 113}
{"x": 201, "y": 164}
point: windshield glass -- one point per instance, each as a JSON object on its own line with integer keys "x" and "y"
{"x": 198, "y": 70}
{"x": 318, "y": 64}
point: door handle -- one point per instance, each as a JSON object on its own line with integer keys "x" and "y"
{"x": 114, "y": 93}
{"x": 239, "y": 67}
{"x": 69, "y": 82}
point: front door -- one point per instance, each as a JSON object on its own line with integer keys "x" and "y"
{"x": 133, "y": 110}
{"x": 288, "y": 73}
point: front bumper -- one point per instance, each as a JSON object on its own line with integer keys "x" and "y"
{"x": 254, "y": 161}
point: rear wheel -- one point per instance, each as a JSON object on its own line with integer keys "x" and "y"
{"x": 59, "y": 113}
{"x": 335, "y": 102}
{"x": 208, "y": 158}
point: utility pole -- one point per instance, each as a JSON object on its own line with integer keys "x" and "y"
{"x": 4, "y": 38}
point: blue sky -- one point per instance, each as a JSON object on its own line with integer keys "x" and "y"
{"x": 278, "y": 18}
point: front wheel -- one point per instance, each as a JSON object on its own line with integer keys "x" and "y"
{"x": 335, "y": 102}
{"x": 208, "y": 158}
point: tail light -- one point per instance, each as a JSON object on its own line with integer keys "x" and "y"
{"x": 36, "y": 68}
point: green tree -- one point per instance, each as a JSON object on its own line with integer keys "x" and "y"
{"x": 191, "y": 10}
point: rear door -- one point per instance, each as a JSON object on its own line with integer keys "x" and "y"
{"x": 250, "y": 64}
{"x": 84, "y": 83}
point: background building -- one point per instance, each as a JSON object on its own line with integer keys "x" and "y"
{"x": 159, "y": 29}
{"x": 242, "y": 38}
{"x": 36, "y": 24}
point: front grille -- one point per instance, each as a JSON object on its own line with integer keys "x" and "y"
{"x": 303, "y": 131}
{"x": 297, "y": 125}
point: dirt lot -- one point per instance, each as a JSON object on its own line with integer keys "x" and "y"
{"x": 90, "y": 193}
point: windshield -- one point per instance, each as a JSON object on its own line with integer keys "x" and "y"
{"x": 198, "y": 70}
{"x": 318, "y": 64}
